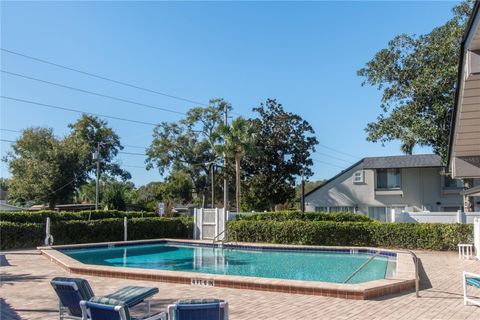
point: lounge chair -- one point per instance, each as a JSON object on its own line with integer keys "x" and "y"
{"x": 198, "y": 309}
{"x": 99, "y": 308}
{"x": 473, "y": 280}
{"x": 71, "y": 291}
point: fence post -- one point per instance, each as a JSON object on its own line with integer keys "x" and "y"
{"x": 217, "y": 223}
{"x": 195, "y": 225}
{"x": 125, "y": 234}
{"x": 476, "y": 236}
{"x": 200, "y": 223}
{"x": 460, "y": 216}
{"x": 392, "y": 215}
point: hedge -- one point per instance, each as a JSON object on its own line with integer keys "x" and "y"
{"x": 28, "y": 235}
{"x": 434, "y": 236}
{"x": 40, "y": 216}
{"x": 307, "y": 216}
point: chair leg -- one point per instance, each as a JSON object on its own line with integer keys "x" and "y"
{"x": 148, "y": 302}
{"x": 465, "y": 302}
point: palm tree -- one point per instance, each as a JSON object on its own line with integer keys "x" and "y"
{"x": 238, "y": 140}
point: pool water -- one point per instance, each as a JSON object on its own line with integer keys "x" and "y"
{"x": 309, "y": 265}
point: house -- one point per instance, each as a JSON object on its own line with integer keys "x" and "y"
{"x": 4, "y": 206}
{"x": 81, "y": 207}
{"x": 375, "y": 186}
{"x": 464, "y": 146}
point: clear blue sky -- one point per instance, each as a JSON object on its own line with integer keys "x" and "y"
{"x": 303, "y": 54}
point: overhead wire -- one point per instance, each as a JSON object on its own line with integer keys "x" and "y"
{"x": 76, "y": 110}
{"x": 93, "y": 93}
{"x": 103, "y": 77}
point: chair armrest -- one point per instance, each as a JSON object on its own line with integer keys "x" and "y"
{"x": 158, "y": 316}
{"x": 470, "y": 275}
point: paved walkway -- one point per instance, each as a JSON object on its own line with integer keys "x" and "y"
{"x": 25, "y": 293}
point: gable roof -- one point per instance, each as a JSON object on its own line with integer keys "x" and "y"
{"x": 389, "y": 162}
{"x": 408, "y": 161}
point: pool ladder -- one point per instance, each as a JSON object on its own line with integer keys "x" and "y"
{"x": 221, "y": 242}
{"x": 362, "y": 266}
{"x": 415, "y": 261}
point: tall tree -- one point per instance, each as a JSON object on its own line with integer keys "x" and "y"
{"x": 285, "y": 142}
{"x": 189, "y": 145}
{"x": 417, "y": 75}
{"x": 96, "y": 134}
{"x": 44, "y": 168}
{"x": 236, "y": 141}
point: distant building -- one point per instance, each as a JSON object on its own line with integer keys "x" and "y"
{"x": 80, "y": 207}
{"x": 4, "y": 206}
{"x": 377, "y": 185}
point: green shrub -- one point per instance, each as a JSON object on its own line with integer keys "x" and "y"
{"x": 307, "y": 216}
{"x": 28, "y": 235}
{"x": 330, "y": 233}
{"x": 21, "y": 235}
{"x": 40, "y": 216}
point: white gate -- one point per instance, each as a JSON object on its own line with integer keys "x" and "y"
{"x": 209, "y": 224}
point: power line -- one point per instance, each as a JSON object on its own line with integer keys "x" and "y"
{"x": 10, "y": 130}
{"x": 76, "y": 110}
{"x": 93, "y": 93}
{"x": 5, "y": 140}
{"x": 136, "y": 147}
{"x": 133, "y": 153}
{"x": 338, "y": 151}
{"x": 125, "y": 145}
{"x": 130, "y": 166}
{"x": 334, "y": 157}
{"x": 103, "y": 77}
{"x": 327, "y": 163}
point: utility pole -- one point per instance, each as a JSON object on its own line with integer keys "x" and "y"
{"x": 212, "y": 171}
{"x": 302, "y": 200}
{"x": 225, "y": 185}
{"x": 96, "y": 156}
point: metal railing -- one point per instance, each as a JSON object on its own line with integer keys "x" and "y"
{"x": 362, "y": 266}
{"x": 415, "y": 261}
{"x": 417, "y": 274}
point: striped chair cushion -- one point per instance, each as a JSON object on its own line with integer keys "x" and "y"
{"x": 70, "y": 298}
{"x": 198, "y": 301}
{"x": 474, "y": 282}
{"x": 111, "y": 302}
{"x": 132, "y": 295}
{"x": 83, "y": 286}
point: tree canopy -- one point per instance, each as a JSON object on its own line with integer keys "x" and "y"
{"x": 285, "y": 142}
{"x": 49, "y": 169}
{"x": 417, "y": 75}
{"x": 189, "y": 145}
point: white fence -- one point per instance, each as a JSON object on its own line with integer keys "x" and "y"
{"x": 209, "y": 224}
{"x": 434, "y": 217}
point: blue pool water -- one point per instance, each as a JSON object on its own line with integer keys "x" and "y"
{"x": 267, "y": 263}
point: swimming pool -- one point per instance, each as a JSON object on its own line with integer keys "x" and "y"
{"x": 325, "y": 265}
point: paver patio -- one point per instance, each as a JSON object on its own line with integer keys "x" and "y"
{"x": 25, "y": 293}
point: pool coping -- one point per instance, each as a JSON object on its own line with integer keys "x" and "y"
{"x": 403, "y": 280}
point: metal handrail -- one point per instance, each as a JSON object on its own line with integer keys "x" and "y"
{"x": 417, "y": 275}
{"x": 215, "y": 239}
{"x": 362, "y": 266}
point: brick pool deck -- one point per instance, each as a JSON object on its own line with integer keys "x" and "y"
{"x": 25, "y": 293}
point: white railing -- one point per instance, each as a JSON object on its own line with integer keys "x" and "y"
{"x": 434, "y": 217}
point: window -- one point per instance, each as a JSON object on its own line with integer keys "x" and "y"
{"x": 321, "y": 209}
{"x": 358, "y": 177}
{"x": 378, "y": 213}
{"x": 388, "y": 179}
{"x": 474, "y": 62}
{"x": 450, "y": 183}
{"x": 452, "y": 209}
{"x": 342, "y": 209}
